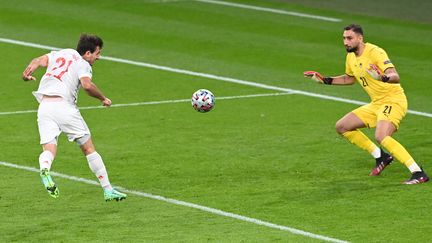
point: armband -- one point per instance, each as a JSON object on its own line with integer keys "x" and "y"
{"x": 328, "y": 80}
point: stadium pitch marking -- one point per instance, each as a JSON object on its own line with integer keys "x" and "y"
{"x": 154, "y": 103}
{"x": 271, "y": 10}
{"x": 211, "y": 76}
{"x": 186, "y": 204}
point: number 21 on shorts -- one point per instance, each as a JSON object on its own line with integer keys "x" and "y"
{"x": 387, "y": 109}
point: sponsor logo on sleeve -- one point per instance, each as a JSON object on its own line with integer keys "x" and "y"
{"x": 387, "y": 62}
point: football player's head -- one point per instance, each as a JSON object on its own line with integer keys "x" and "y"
{"x": 89, "y": 47}
{"x": 352, "y": 37}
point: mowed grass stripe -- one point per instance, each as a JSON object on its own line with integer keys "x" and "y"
{"x": 153, "y": 103}
{"x": 271, "y": 10}
{"x": 215, "y": 77}
{"x": 185, "y": 204}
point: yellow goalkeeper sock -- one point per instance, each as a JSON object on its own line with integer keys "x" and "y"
{"x": 400, "y": 153}
{"x": 359, "y": 139}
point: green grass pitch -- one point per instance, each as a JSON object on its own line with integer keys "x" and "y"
{"x": 273, "y": 158}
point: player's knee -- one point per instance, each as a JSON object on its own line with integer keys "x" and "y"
{"x": 87, "y": 149}
{"x": 86, "y": 144}
{"x": 51, "y": 147}
{"x": 340, "y": 127}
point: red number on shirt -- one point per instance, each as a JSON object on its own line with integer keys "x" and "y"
{"x": 61, "y": 69}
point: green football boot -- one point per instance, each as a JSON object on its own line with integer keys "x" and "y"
{"x": 113, "y": 195}
{"x": 49, "y": 184}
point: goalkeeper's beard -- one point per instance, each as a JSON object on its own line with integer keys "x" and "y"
{"x": 351, "y": 49}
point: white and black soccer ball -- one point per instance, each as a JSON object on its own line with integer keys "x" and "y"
{"x": 203, "y": 100}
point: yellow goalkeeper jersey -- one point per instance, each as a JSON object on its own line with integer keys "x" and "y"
{"x": 378, "y": 91}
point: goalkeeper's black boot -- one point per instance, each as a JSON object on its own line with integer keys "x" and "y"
{"x": 381, "y": 163}
{"x": 417, "y": 178}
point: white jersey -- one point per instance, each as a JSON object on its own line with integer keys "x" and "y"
{"x": 62, "y": 78}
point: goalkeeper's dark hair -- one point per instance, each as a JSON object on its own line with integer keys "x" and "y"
{"x": 88, "y": 43}
{"x": 355, "y": 28}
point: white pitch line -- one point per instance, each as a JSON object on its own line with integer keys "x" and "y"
{"x": 215, "y": 77}
{"x": 153, "y": 103}
{"x": 186, "y": 204}
{"x": 185, "y": 100}
{"x": 17, "y": 112}
{"x": 29, "y": 44}
{"x": 271, "y": 10}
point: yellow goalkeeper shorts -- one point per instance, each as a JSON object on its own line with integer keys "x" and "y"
{"x": 371, "y": 113}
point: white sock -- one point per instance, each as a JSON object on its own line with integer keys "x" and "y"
{"x": 376, "y": 153}
{"x": 45, "y": 160}
{"x": 414, "y": 167}
{"x": 96, "y": 165}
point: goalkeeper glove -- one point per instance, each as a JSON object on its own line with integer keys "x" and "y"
{"x": 375, "y": 73}
{"x": 316, "y": 76}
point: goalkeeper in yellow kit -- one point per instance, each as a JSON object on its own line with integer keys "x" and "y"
{"x": 371, "y": 67}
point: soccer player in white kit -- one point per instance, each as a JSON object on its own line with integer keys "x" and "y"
{"x": 67, "y": 71}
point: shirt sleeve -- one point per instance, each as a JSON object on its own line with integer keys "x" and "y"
{"x": 382, "y": 60}
{"x": 84, "y": 70}
{"x": 51, "y": 57}
{"x": 348, "y": 70}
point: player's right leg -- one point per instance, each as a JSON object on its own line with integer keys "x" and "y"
{"x": 48, "y": 131}
{"x": 383, "y": 161}
{"x": 348, "y": 127}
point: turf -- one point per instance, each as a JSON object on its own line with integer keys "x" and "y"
{"x": 273, "y": 158}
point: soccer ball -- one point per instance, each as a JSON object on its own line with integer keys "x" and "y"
{"x": 203, "y": 100}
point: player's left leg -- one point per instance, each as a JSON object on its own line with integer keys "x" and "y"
{"x": 97, "y": 166}
{"x": 383, "y": 133}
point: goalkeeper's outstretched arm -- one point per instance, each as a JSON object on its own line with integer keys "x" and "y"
{"x": 338, "y": 80}
{"x": 343, "y": 80}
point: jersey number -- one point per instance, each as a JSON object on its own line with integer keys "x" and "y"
{"x": 59, "y": 70}
{"x": 364, "y": 82}
{"x": 387, "y": 109}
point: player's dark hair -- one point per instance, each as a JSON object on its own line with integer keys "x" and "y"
{"x": 355, "y": 28}
{"x": 88, "y": 43}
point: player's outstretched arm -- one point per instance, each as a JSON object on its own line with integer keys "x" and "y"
{"x": 343, "y": 80}
{"x": 94, "y": 91}
{"x": 41, "y": 61}
{"x": 317, "y": 77}
{"x": 338, "y": 80}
